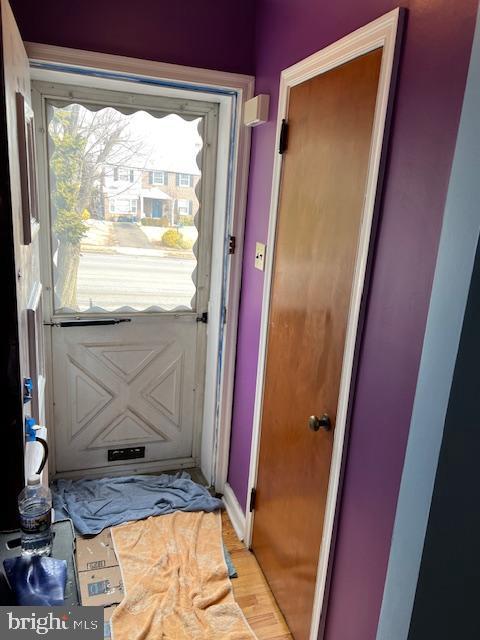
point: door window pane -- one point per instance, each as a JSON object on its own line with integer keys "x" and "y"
{"x": 118, "y": 240}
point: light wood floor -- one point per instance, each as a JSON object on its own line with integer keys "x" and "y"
{"x": 252, "y": 591}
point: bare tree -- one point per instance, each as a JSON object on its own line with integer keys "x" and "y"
{"x": 82, "y": 142}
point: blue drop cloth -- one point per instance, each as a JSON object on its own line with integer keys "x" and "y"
{"x": 96, "y": 504}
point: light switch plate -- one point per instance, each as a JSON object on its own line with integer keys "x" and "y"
{"x": 259, "y": 256}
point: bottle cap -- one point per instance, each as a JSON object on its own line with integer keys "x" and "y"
{"x": 33, "y": 479}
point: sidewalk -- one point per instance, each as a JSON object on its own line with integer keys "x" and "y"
{"x": 103, "y": 237}
{"x": 135, "y": 251}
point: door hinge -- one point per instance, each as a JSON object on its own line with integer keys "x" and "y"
{"x": 253, "y": 497}
{"x": 203, "y": 318}
{"x": 232, "y": 244}
{"x": 282, "y": 145}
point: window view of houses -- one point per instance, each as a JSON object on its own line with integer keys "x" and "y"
{"x": 166, "y": 195}
{"x": 124, "y": 191}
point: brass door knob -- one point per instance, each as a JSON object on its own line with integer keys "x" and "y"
{"x": 315, "y": 423}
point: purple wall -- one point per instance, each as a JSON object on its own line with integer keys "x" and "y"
{"x": 212, "y": 33}
{"x": 431, "y": 84}
{"x": 219, "y": 35}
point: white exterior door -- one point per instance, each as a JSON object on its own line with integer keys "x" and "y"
{"x": 128, "y": 289}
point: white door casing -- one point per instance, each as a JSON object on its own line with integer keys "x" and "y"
{"x": 87, "y": 69}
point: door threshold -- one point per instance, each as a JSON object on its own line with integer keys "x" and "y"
{"x": 160, "y": 466}
{"x": 194, "y": 472}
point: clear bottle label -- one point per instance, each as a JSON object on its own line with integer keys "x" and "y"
{"x": 36, "y": 524}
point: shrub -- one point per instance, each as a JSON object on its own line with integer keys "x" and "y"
{"x": 155, "y": 222}
{"x": 173, "y": 239}
{"x": 185, "y": 221}
{"x": 187, "y": 244}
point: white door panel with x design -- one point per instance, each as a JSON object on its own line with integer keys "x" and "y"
{"x": 120, "y": 391}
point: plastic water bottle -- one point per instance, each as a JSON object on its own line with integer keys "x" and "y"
{"x": 35, "y": 509}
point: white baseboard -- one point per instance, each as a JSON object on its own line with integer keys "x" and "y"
{"x": 234, "y": 510}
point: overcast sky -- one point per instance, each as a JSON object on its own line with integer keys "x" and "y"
{"x": 171, "y": 143}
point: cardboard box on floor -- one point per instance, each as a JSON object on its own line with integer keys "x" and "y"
{"x": 95, "y": 552}
{"x": 99, "y": 575}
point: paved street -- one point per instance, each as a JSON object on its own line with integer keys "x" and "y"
{"x": 115, "y": 280}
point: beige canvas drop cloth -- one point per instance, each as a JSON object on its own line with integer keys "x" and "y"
{"x": 176, "y": 581}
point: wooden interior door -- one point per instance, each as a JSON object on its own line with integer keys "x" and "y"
{"x": 325, "y": 166}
